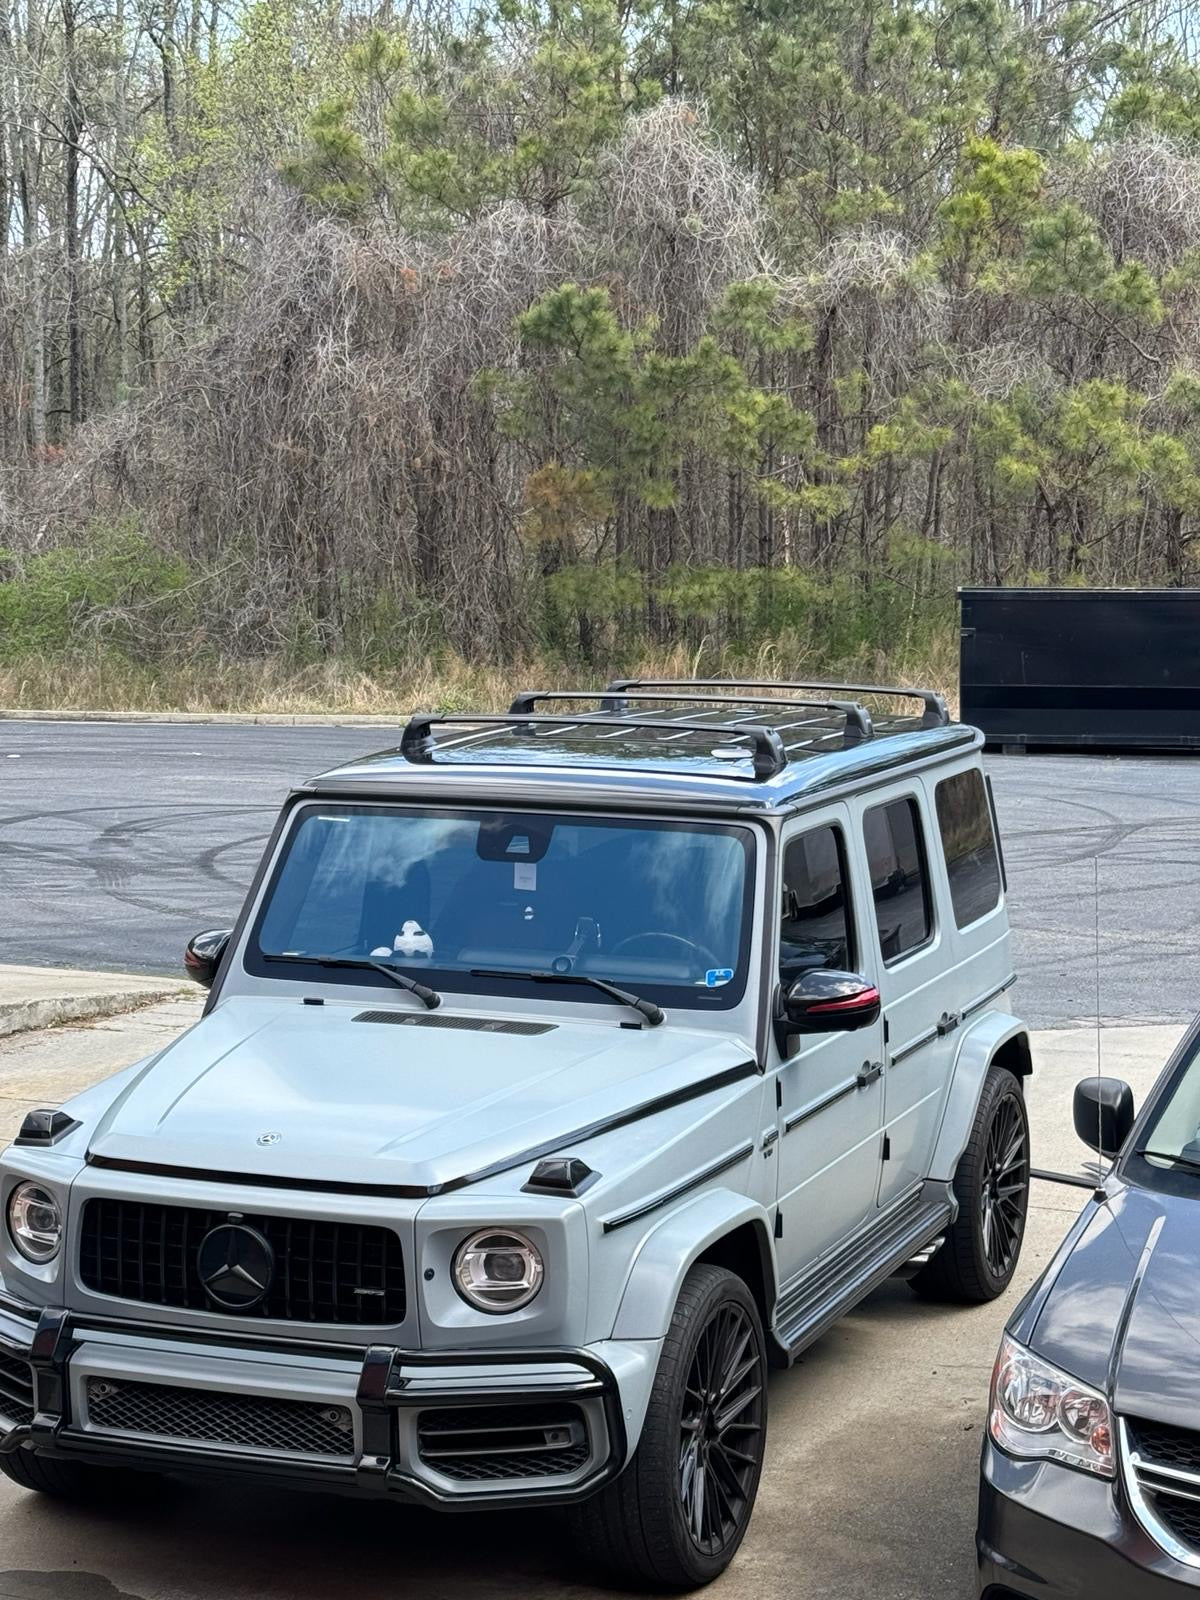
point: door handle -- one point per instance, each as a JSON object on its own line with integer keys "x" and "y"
{"x": 868, "y": 1073}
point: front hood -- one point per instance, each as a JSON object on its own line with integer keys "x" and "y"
{"x": 279, "y": 1090}
{"x": 1125, "y": 1306}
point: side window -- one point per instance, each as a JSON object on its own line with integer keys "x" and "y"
{"x": 816, "y": 929}
{"x": 965, "y": 824}
{"x": 899, "y": 880}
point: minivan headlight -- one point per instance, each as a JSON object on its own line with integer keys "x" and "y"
{"x": 1042, "y": 1413}
{"x": 35, "y": 1222}
{"x": 498, "y": 1270}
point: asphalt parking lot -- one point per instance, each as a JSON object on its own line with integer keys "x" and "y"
{"x": 118, "y": 841}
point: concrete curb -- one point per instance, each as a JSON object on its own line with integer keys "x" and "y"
{"x": 47, "y": 997}
{"x": 266, "y": 719}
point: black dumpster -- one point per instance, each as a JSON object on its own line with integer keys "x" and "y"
{"x": 1103, "y": 668}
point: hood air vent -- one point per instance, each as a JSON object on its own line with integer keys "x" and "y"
{"x": 405, "y": 1019}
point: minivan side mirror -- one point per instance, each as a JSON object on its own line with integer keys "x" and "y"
{"x": 203, "y": 955}
{"x": 1104, "y": 1114}
{"x": 822, "y": 1001}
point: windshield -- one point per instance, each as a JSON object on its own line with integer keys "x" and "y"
{"x": 451, "y": 897}
{"x": 1173, "y": 1134}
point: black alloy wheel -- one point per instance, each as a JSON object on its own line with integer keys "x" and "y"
{"x": 1004, "y": 1193}
{"x": 676, "y": 1515}
{"x": 982, "y": 1245}
{"x": 720, "y": 1431}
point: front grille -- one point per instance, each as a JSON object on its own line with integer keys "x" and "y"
{"x": 324, "y": 1271}
{"x": 482, "y": 1444}
{"x": 16, "y": 1390}
{"x": 1163, "y": 1450}
{"x": 297, "y": 1427}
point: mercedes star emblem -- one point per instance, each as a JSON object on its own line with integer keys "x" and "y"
{"x": 236, "y": 1266}
{"x": 269, "y": 1138}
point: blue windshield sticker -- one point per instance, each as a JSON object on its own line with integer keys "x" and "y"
{"x": 716, "y": 976}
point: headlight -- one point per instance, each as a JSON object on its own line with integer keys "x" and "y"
{"x": 1043, "y": 1414}
{"x": 35, "y": 1222}
{"x": 498, "y": 1270}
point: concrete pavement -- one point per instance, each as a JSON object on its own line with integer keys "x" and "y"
{"x": 869, "y": 1489}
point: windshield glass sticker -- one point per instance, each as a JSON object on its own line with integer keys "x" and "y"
{"x": 716, "y": 976}
{"x": 524, "y": 874}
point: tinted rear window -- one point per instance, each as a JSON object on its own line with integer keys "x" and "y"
{"x": 965, "y": 823}
{"x": 899, "y": 882}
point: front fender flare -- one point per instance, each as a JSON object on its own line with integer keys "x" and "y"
{"x": 983, "y": 1038}
{"x": 671, "y": 1247}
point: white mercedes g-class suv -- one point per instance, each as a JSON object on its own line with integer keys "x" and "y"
{"x": 565, "y": 1071}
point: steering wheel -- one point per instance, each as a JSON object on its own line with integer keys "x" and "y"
{"x": 701, "y": 950}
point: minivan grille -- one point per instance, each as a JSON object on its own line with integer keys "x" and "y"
{"x": 1166, "y": 1468}
{"x": 324, "y": 1271}
{"x": 16, "y": 1390}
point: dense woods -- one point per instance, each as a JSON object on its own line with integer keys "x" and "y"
{"x": 580, "y": 327}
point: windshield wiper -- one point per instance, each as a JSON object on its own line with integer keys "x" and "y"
{"x": 652, "y": 1013}
{"x": 1175, "y": 1160}
{"x": 429, "y": 997}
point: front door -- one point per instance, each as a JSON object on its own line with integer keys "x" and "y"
{"x": 830, "y": 1087}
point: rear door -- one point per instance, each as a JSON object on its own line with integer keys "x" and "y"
{"x": 908, "y": 958}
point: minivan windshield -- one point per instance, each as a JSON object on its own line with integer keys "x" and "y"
{"x": 458, "y": 899}
{"x": 1173, "y": 1136}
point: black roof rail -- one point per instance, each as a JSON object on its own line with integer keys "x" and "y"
{"x": 858, "y": 725}
{"x": 936, "y": 713}
{"x": 417, "y": 743}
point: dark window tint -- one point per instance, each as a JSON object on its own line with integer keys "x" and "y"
{"x": 899, "y": 882}
{"x": 815, "y": 929}
{"x": 965, "y": 823}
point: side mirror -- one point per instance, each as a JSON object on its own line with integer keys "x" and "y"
{"x": 829, "y": 1002}
{"x": 1104, "y": 1114}
{"x": 203, "y": 955}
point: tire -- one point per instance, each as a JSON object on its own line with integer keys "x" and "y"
{"x": 982, "y": 1248}
{"x": 69, "y": 1480}
{"x": 685, "y": 1474}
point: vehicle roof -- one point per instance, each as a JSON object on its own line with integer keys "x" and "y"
{"x": 694, "y": 744}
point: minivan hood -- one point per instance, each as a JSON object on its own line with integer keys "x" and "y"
{"x": 279, "y": 1090}
{"x": 1125, "y": 1305}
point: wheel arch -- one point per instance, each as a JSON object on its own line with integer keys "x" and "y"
{"x": 721, "y": 1228}
{"x": 994, "y": 1039}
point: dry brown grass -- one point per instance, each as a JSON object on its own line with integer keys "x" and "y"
{"x": 106, "y": 683}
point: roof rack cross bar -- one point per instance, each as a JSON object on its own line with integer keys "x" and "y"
{"x": 936, "y": 713}
{"x": 858, "y": 725}
{"x": 418, "y": 742}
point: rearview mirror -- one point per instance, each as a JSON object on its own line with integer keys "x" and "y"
{"x": 829, "y": 1002}
{"x": 1104, "y": 1114}
{"x": 203, "y": 955}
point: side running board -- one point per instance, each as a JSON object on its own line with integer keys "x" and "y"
{"x": 829, "y": 1289}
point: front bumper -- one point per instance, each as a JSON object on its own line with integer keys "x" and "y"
{"x": 467, "y": 1429}
{"x": 1055, "y": 1533}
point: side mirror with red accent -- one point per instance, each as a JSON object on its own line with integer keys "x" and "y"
{"x": 829, "y": 1002}
{"x": 203, "y": 955}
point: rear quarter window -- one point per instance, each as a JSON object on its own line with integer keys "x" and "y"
{"x": 969, "y": 844}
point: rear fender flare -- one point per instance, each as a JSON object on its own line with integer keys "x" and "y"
{"x": 984, "y": 1039}
{"x": 671, "y": 1248}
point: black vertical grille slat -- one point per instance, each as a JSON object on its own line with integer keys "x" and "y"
{"x": 16, "y": 1390}
{"x": 134, "y": 1250}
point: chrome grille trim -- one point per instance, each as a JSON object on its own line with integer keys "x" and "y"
{"x": 1145, "y": 1482}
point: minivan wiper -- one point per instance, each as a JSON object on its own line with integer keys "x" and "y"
{"x": 652, "y": 1013}
{"x": 429, "y": 997}
{"x": 1175, "y": 1160}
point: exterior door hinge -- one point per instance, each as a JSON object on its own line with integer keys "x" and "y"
{"x": 779, "y": 1224}
{"x": 778, "y": 1093}
{"x": 887, "y": 1148}
{"x": 887, "y": 1032}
